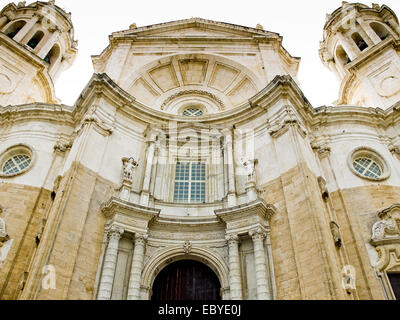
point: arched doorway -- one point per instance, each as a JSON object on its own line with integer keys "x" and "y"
{"x": 186, "y": 280}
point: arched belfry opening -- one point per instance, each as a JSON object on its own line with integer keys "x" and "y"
{"x": 186, "y": 280}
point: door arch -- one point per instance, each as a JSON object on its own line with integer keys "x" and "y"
{"x": 186, "y": 280}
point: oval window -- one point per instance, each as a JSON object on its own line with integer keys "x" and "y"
{"x": 15, "y": 161}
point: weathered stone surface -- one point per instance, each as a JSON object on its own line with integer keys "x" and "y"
{"x": 290, "y": 204}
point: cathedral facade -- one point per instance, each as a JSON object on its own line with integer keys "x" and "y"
{"x": 192, "y": 166}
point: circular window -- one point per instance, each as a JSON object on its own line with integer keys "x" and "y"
{"x": 192, "y": 112}
{"x": 15, "y": 160}
{"x": 367, "y": 163}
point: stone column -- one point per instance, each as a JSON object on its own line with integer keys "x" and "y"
{"x": 231, "y": 169}
{"x": 392, "y": 22}
{"x": 144, "y": 197}
{"x": 48, "y": 44}
{"x": 3, "y": 21}
{"x": 110, "y": 262}
{"x": 235, "y": 279}
{"x": 369, "y": 31}
{"x": 137, "y": 267}
{"x": 349, "y": 46}
{"x": 258, "y": 236}
{"x": 162, "y": 172}
{"x": 26, "y": 28}
{"x": 270, "y": 264}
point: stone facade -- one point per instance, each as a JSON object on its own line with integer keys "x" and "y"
{"x": 193, "y": 141}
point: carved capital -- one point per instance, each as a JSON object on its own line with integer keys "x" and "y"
{"x": 394, "y": 149}
{"x": 258, "y": 234}
{"x": 232, "y": 239}
{"x": 63, "y": 146}
{"x": 321, "y": 147}
{"x": 114, "y": 233}
{"x": 141, "y": 238}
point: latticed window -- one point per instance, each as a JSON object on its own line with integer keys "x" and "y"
{"x": 192, "y": 112}
{"x": 190, "y": 182}
{"x": 367, "y": 167}
{"x": 16, "y": 164}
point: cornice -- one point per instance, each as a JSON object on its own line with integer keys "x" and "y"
{"x": 281, "y": 87}
{"x": 259, "y": 207}
{"x": 37, "y": 111}
{"x": 116, "y": 205}
{"x": 197, "y": 22}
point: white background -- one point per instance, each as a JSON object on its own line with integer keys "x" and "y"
{"x": 300, "y": 22}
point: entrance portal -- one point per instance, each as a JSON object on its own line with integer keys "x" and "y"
{"x": 186, "y": 280}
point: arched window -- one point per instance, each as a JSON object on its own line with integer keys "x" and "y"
{"x": 361, "y": 44}
{"x": 53, "y": 55}
{"x": 380, "y": 30}
{"x": 13, "y": 29}
{"x": 342, "y": 55}
{"x": 36, "y": 39}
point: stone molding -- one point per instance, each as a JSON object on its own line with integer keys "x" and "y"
{"x": 100, "y": 125}
{"x": 131, "y": 217}
{"x": 240, "y": 219}
{"x": 193, "y": 92}
{"x": 286, "y": 118}
{"x": 165, "y": 256}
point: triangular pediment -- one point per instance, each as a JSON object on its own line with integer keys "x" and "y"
{"x": 196, "y": 27}
{"x": 195, "y": 32}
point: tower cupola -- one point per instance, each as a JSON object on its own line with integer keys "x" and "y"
{"x": 361, "y": 46}
{"x": 37, "y": 44}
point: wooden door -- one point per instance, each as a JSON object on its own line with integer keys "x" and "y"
{"x": 394, "y": 279}
{"x": 186, "y": 280}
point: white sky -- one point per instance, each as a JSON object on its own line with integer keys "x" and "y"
{"x": 300, "y": 22}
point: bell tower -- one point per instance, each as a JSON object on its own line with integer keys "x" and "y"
{"x": 36, "y": 45}
{"x": 361, "y": 45}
